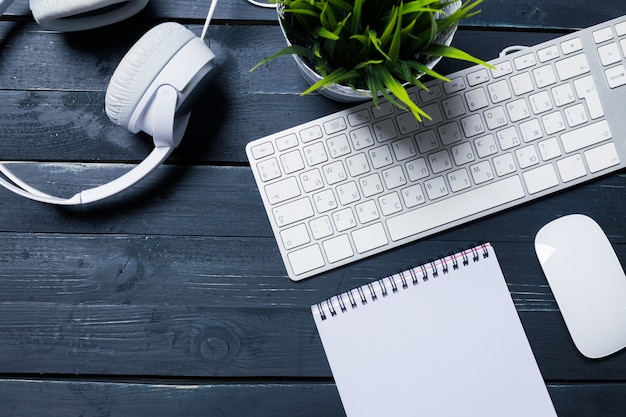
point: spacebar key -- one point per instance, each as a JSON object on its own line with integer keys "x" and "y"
{"x": 455, "y": 208}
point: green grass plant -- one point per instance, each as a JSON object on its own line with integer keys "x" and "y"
{"x": 375, "y": 45}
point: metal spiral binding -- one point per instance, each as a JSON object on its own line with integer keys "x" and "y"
{"x": 381, "y": 288}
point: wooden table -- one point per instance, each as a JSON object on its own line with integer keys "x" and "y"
{"x": 171, "y": 299}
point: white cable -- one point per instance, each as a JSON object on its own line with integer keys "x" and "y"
{"x": 209, "y": 16}
{"x": 511, "y": 49}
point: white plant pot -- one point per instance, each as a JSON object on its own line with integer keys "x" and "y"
{"x": 347, "y": 94}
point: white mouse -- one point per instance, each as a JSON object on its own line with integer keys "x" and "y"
{"x": 587, "y": 281}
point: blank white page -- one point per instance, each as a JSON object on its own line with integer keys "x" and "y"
{"x": 451, "y": 345}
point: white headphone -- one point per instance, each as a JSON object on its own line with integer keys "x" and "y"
{"x": 151, "y": 90}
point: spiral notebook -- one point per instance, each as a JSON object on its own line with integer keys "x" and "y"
{"x": 440, "y": 339}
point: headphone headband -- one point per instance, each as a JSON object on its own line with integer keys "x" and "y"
{"x": 73, "y": 15}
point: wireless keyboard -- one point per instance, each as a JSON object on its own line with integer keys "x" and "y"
{"x": 367, "y": 179}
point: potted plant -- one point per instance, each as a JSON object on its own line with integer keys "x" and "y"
{"x": 352, "y": 50}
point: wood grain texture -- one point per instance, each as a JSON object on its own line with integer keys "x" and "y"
{"x": 262, "y": 399}
{"x": 171, "y": 299}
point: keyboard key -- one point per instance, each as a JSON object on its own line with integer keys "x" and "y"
{"x": 602, "y": 157}
{"x": 268, "y": 169}
{"x": 315, "y": 154}
{"x": 522, "y": 84}
{"x": 311, "y": 133}
{"x": 495, "y": 117}
{"x": 473, "y": 125}
{"x": 335, "y": 125}
{"x": 334, "y": 172}
{"x": 518, "y": 110}
{"x": 563, "y": 94}
{"x": 525, "y": 61}
{"x": 576, "y": 115}
{"x": 358, "y": 165}
{"x": 262, "y": 150}
{"x": 544, "y": 76}
{"x": 338, "y": 146}
{"x": 407, "y": 123}
{"x": 436, "y": 188}
{"x": 325, "y": 201}
{"x": 453, "y": 107}
{"x": 292, "y": 161}
{"x": 417, "y": 169}
{"x": 540, "y": 179}
{"x": 338, "y": 248}
{"x": 603, "y": 35}
{"x": 311, "y": 180}
{"x": 586, "y": 136}
{"x": 549, "y": 53}
{"x": 586, "y": 89}
{"x": 476, "y": 99}
{"x": 344, "y": 219}
{"x": 454, "y": 85}
{"x": 540, "y": 102}
{"x": 282, "y": 190}
{"x": 427, "y": 141}
{"x": 504, "y": 164}
{"x": 609, "y": 54}
{"x": 572, "y": 67}
{"x": 404, "y": 149}
{"x": 478, "y": 77}
{"x": 616, "y": 76}
{"x": 371, "y": 185}
{"x": 549, "y": 149}
{"x": 321, "y": 227}
{"x": 381, "y": 156}
{"x": 384, "y": 130}
{"x": 431, "y": 94}
{"x": 369, "y": 238}
{"x": 455, "y": 208}
{"x": 361, "y": 138}
{"x": 390, "y": 204}
{"x": 502, "y": 69}
{"x": 383, "y": 109}
{"x": 348, "y": 193}
{"x": 359, "y": 117}
{"x": 527, "y": 156}
{"x": 295, "y": 236}
{"x": 499, "y": 91}
{"x": 394, "y": 177}
{"x": 287, "y": 142}
{"x": 572, "y": 45}
{"x": 306, "y": 259}
{"x": 553, "y": 122}
{"x": 292, "y": 212}
{"x": 367, "y": 211}
{"x": 459, "y": 180}
{"x": 481, "y": 172}
{"x": 413, "y": 196}
{"x": 571, "y": 168}
{"x": 449, "y": 133}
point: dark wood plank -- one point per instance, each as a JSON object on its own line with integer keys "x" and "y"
{"x": 72, "y": 301}
{"x": 53, "y": 104}
{"x": 562, "y": 14}
{"x": 224, "y": 201}
{"x": 262, "y": 399}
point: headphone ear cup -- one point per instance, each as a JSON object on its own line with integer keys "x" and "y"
{"x": 140, "y": 66}
{"x": 73, "y": 15}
